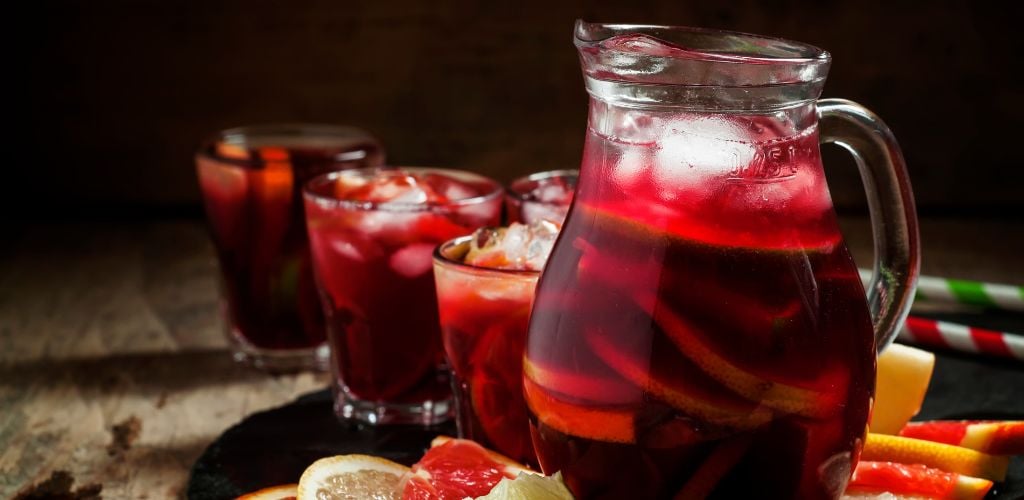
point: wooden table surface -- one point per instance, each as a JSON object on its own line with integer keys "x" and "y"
{"x": 112, "y": 329}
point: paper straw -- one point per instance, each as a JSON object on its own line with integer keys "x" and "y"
{"x": 976, "y": 293}
{"x": 963, "y": 338}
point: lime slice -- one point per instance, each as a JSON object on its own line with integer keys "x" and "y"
{"x": 530, "y": 487}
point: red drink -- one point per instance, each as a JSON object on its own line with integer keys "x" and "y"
{"x": 373, "y": 233}
{"x": 541, "y": 196}
{"x": 251, "y": 179}
{"x": 701, "y": 328}
{"x": 484, "y": 300}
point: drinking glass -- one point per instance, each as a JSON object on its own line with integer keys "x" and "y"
{"x": 373, "y": 233}
{"x": 484, "y": 314}
{"x": 251, "y": 178}
{"x": 541, "y": 196}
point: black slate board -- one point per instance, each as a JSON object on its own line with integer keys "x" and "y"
{"x": 275, "y": 446}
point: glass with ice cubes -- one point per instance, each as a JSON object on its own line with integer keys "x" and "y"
{"x": 541, "y": 196}
{"x": 485, "y": 285}
{"x": 372, "y": 236}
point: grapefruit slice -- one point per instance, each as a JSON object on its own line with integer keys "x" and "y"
{"x": 903, "y": 376}
{"x": 280, "y": 492}
{"x": 915, "y": 480}
{"x": 995, "y": 438}
{"x": 949, "y": 458}
{"x": 684, "y": 389}
{"x": 776, "y": 395}
{"x": 597, "y": 423}
{"x": 352, "y": 476}
{"x": 453, "y": 469}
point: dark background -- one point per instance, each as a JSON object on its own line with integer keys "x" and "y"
{"x": 117, "y": 93}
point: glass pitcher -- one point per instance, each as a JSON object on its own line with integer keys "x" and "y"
{"x": 700, "y": 329}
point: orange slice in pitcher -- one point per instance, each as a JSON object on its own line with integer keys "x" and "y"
{"x": 776, "y": 395}
{"x": 881, "y": 447}
{"x": 607, "y": 390}
{"x": 915, "y": 480}
{"x": 686, "y": 388}
{"x": 600, "y": 424}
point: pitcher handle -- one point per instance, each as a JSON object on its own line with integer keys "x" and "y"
{"x": 891, "y": 204}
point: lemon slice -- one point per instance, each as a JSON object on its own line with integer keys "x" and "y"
{"x": 352, "y": 476}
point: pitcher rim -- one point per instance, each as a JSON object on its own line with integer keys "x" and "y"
{"x": 810, "y": 54}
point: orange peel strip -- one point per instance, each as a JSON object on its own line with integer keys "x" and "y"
{"x": 885, "y": 448}
{"x": 737, "y": 414}
{"x": 776, "y": 395}
{"x": 915, "y": 480}
{"x": 616, "y": 426}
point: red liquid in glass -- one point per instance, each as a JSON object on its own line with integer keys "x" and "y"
{"x": 700, "y": 335}
{"x": 484, "y": 315}
{"x": 374, "y": 269}
{"x": 254, "y": 207}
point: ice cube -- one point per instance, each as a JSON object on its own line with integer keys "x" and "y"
{"x": 630, "y": 166}
{"x": 396, "y": 187}
{"x": 517, "y": 246}
{"x": 414, "y": 260}
{"x": 692, "y": 151}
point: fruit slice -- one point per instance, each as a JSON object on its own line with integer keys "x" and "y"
{"x": 884, "y": 448}
{"x": 453, "y": 469}
{"x": 280, "y": 492}
{"x": 915, "y": 480}
{"x": 714, "y": 468}
{"x": 776, "y": 395}
{"x": 530, "y": 487}
{"x": 351, "y": 476}
{"x": 600, "y": 424}
{"x": 685, "y": 388}
{"x": 496, "y": 385}
{"x": 903, "y": 376}
{"x": 995, "y": 438}
{"x": 592, "y": 388}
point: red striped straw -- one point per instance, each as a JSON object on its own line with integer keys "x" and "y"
{"x": 964, "y": 338}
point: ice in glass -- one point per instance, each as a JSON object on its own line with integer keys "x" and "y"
{"x": 485, "y": 286}
{"x": 541, "y": 196}
{"x": 373, "y": 233}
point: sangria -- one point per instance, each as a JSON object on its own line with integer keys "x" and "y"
{"x": 700, "y": 329}
{"x": 541, "y": 196}
{"x": 373, "y": 233}
{"x": 250, "y": 178}
{"x": 485, "y": 285}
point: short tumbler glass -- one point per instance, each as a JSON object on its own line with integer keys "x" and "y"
{"x": 251, "y": 179}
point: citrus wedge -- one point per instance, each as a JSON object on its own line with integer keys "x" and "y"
{"x": 352, "y": 476}
{"x": 583, "y": 387}
{"x": 280, "y": 492}
{"x": 456, "y": 469}
{"x": 995, "y": 438}
{"x": 714, "y": 468}
{"x": 915, "y": 480}
{"x": 949, "y": 458}
{"x": 599, "y": 424}
{"x": 779, "y": 396}
{"x": 686, "y": 388}
{"x": 903, "y": 376}
{"x": 530, "y": 487}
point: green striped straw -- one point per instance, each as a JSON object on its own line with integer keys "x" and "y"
{"x": 975, "y": 293}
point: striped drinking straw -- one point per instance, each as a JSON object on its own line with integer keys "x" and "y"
{"x": 943, "y": 334}
{"x": 975, "y": 293}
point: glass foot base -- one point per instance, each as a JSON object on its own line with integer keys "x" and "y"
{"x": 373, "y": 413}
{"x": 280, "y": 360}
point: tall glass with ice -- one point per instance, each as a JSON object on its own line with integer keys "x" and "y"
{"x": 700, "y": 329}
{"x": 372, "y": 234}
{"x": 485, "y": 285}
